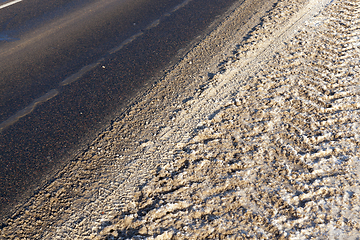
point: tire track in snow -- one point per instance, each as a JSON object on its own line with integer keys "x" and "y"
{"x": 279, "y": 160}
{"x": 276, "y": 159}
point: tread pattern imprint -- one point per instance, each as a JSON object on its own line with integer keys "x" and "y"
{"x": 281, "y": 158}
{"x": 271, "y": 148}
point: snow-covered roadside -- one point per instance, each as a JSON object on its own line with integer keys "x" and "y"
{"x": 255, "y": 134}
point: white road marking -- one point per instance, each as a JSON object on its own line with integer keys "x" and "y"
{"x": 27, "y": 110}
{"x": 9, "y": 4}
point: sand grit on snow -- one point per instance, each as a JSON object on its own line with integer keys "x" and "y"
{"x": 253, "y": 135}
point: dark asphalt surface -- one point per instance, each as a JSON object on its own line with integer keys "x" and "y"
{"x": 45, "y": 116}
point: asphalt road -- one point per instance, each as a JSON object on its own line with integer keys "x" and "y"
{"x": 68, "y": 67}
